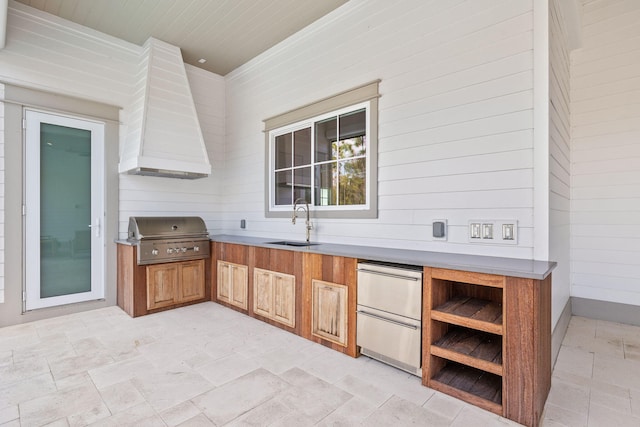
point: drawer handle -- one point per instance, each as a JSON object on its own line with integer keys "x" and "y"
{"x": 381, "y": 273}
{"x": 395, "y": 322}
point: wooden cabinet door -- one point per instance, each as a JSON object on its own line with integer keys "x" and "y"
{"x": 162, "y": 285}
{"x": 224, "y": 282}
{"x": 262, "y": 292}
{"x": 274, "y": 296}
{"x": 191, "y": 281}
{"x": 329, "y": 311}
{"x": 232, "y": 284}
{"x": 239, "y": 285}
{"x": 284, "y": 299}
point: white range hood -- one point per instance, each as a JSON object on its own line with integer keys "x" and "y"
{"x": 163, "y": 136}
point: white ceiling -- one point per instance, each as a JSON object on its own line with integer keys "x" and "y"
{"x": 227, "y": 33}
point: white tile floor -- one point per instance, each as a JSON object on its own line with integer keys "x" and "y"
{"x": 206, "y": 365}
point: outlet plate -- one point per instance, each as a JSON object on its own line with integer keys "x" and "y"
{"x": 508, "y": 232}
{"x": 493, "y": 231}
{"x": 446, "y": 230}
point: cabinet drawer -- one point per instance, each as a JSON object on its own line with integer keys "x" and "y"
{"x": 394, "y": 290}
{"x": 376, "y": 329}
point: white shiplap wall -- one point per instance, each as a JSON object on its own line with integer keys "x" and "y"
{"x": 47, "y": 53}
{"x": 1, "y": 194}
{"x": 559, "y": 158}
{"x": 605, "y": 154}
{"x": 455, "y": 118}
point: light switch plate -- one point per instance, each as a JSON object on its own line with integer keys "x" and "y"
{"x": 474, "y": 230}
{"x": 493, "y": 231}
{"x": 507, "y": 231}
{"x": 487, "y": 231}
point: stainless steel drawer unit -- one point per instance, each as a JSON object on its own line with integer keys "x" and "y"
{"x": 389, "y": 315}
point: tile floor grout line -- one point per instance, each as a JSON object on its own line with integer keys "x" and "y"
{"x": 609, "y": 391}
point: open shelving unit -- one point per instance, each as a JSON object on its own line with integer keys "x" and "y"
{"x": 471, "y": 348}
{"x": 484, "y": 341}
{"x": 466, "y": 340}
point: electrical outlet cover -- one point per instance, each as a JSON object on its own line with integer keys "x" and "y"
{"x": 439, "y": 229}
{"x": 507, "y": 232}
{"x": 493, "y": 231}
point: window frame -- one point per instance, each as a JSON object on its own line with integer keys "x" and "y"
{"x": 314, "y": 162}
{"x": 363, "y": 97}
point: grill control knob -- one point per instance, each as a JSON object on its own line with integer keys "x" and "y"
{"x": 196, "y": 248}
{"x": 154, "y": 252}
{"x": 169, "y": 250}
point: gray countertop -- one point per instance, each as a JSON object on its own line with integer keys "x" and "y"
{"x": 515, "y": 267}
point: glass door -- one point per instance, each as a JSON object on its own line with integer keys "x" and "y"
{"x": 64, "y": 212}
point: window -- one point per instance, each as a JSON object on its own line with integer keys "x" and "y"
{"x": 328, "y": 159}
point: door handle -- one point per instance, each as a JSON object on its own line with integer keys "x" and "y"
{"x": 96, "y": 226}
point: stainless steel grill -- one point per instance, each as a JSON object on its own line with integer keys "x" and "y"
{"x": 168, "y": 239}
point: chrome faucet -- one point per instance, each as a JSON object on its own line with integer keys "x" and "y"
{"x": 305, "y": 208}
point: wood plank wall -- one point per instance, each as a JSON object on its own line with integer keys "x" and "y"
{"x": 455, "y": 122}
{"x": 455, "y": 115}
{"x": 605, "y": 154}
{"x": 52, "y": 54}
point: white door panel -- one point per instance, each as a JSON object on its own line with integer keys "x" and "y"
{"x": 64, "y": 210}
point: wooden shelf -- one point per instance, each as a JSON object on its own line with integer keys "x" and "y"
{"x": 472, "y": 313}
{"x": 472, "y": 348}
{"x": 477, "y": 387}
{"x": 487, "y": 341}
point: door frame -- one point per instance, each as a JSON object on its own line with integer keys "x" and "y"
{"x": 31, "y": 203}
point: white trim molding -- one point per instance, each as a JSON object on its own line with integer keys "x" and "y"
{"x": 541, "y": 130}
{"x": 4, "y": 8}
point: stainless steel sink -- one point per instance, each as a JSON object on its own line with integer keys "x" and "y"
{"x": 291, "y": 243}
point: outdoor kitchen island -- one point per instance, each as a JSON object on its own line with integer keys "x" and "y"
{"x": 164, "y": 263}
{"x": 486, "y": 321}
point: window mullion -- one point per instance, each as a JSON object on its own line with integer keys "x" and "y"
{"x": 338, "y": 144}
{"x": 272, "y": 176}
{"x": 293, "y": 176}
{"x": 313, "y": 165}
